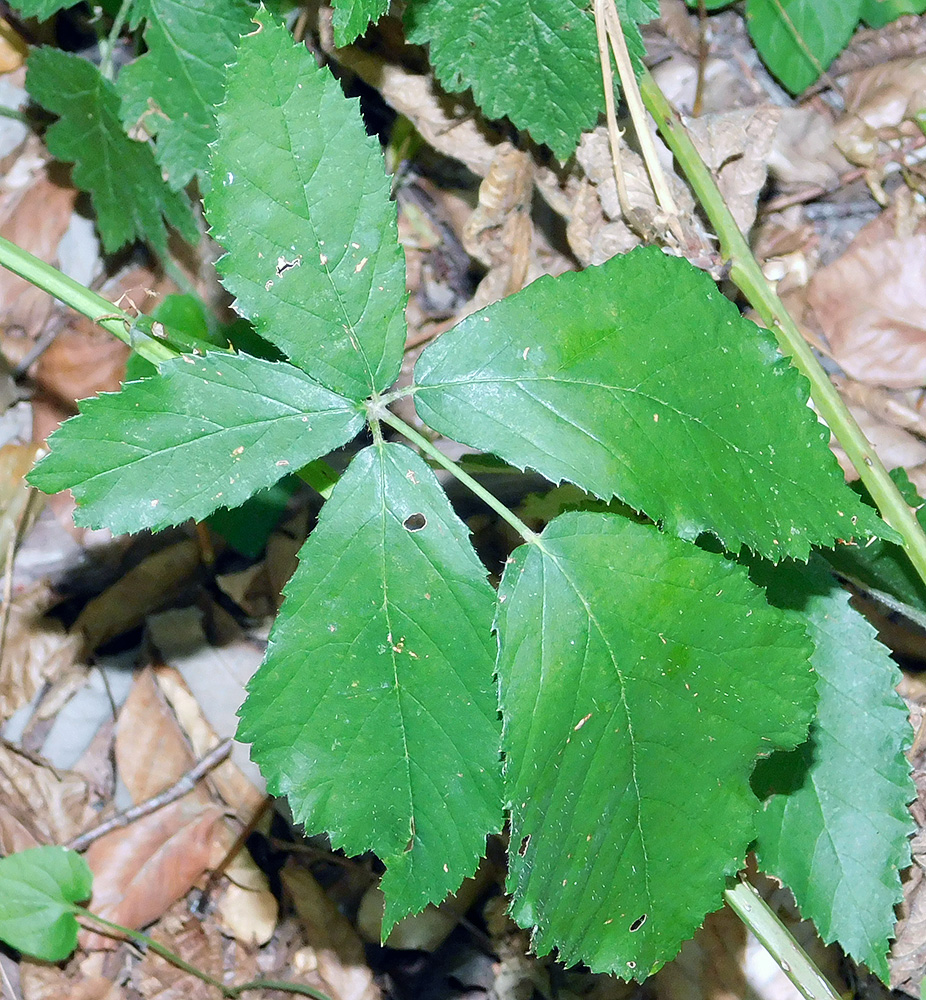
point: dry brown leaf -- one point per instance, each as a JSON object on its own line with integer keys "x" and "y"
{"x": 13, "y": 47}
{"x": 141, "y": 869}
{"x": 804, "y": 151}
{"x": 36, "y": 221}
{"x": 206, "y": 689}
{"x": 342, "y": 965}
{"x": 150, "y": 585}
{"x": 871, "y": 305}
{"x": 78, "y": 980}
{"x": 896, "y": 447}
{"x": 735, "y": 145}
{"x": 19, "y": 504}
{"x": 151, "y": 752}
{"x": 247, "y": 910}
{"x": 36, "y": 649}
{"x": 39, "y": 805}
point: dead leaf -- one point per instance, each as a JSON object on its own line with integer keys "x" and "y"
{"x": 150, "y": 585}
{"x": 735, "y": 146}
{"x": 341, "y": 962}
{"x": 141, "y": 869}
{"x": 36, "y": 649}
{"x": 871, "y": 305}
{"x": 246, "y": 909}
{"x": 39, "y": 805}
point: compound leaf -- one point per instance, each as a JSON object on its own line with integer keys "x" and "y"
{"x": 375, "y": 712}
{"x": 173, "y": 89}
{"x": 837, "y": 833}
{"x": 656, "y": 391}
{"x": 535, "y": 61}
{"x": 640, "y": 677}
{"x": 206, "y": 433}
{"x": 124, "y": 182}
{"x": 351, "y": 17}
{"x": 38, "y": 890}
{"x": 798, "y": 39}
{"x": 300, "y": 201}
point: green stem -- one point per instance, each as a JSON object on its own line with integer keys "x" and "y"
{"x": 759, "y": 917}
{"x": 748, "y": 277}
{"x": 227, "y": 991}
{"x": 108, "y": 47}
{"x": 136, "y": 331}
{"x": 396, "y": 423}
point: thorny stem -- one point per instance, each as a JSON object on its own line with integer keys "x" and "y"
{"x": 227, "y": 991}
{"x": 794, "y": 962}
{"x": 396, "y": 423}
{"x": 103, "y": 312}
{"x": 748, "y": 277}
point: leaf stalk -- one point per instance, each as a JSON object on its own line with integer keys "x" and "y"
{"x": 794, "y": 962}
{"x": 748, "y": 277}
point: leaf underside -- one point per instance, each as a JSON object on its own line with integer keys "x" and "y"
{"x": 173, "y": 89}
{"x": 640, "y": 677}
{"x": 657, "y": 391}
{"x": 37, "y": 888}
{"x": 42, "y": 10}
{"x": 823, "y": 28}
{"x": 877, "y": 13}
{"x": 838, "y": 832}
{"x": 149, "y": 456}
{"x": 375, "y": 712}
{"x": 301, "y": 203}
{"x": 125, "y": 185}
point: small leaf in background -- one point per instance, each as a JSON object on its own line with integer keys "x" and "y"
{"x": 838, "y": 831}
{"x": 38, "y": 890}
{"x": 148, "y": 457}
{"x": 535, "y": 61}
{"x": 247, "y": 528}
{"x": 640, "y": 676}
{"x": 884, "y": 566}
{"x": 656, "y": 391}
{"x": 301, "y": 203}
{"x": 124, "y": 182}
{"x": 173, "y": 89}
{"x": 877, "y": 13}
{"x": 375, "y": 712}
{"x": 351, "y": 17}
{"x": 779, "y": 27}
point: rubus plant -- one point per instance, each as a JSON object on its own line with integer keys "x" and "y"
{"x": 612, "y": 699}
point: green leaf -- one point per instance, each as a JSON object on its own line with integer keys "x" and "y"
{"x": 375, "y": 712}
{"x": 535, "y": 61}
{"x": 247, "y": 528}
{"x": 798, "y": 39}
{"x": 301, "y": 203}
{"x": 883, "y": 566}
{"x": 351, "y": 17}
{"x": 655, "y": 390}
{"x": 837, "y": 833}
{"x": 640, "y": 677}
{"x": 174, "y": 88}
{"x": 38, "y": 890}
{"x": 124, "y": 182}
{"x": 149, "y": 456}
{"x": 877, "y": 13}
{"x": 42, "y": 10}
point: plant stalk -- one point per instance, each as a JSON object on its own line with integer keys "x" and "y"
{"x": 136, "y": 331}
{"x": 794, "y": 962}
{"x": 748, "y": 277}
{"x": 396, "y": 423}
{"x": 300, "y": 989}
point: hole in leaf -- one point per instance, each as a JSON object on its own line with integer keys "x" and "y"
{"x": 522, "y": 850}
{"x": 415, "y": 522}
{"x": 638, "y": 923}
